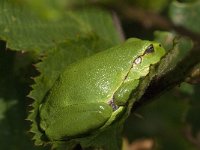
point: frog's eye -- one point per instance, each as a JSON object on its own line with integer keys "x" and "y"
{"x": 150, "y": 49}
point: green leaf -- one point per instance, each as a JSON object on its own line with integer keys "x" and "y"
{"x": 186, "y": 15}
{"x": 23, "y": 29}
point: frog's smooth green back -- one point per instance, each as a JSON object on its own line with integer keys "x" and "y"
{"x": 96, "y": 78}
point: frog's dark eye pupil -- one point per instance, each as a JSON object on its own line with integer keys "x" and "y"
{"x": 150, "y": 49}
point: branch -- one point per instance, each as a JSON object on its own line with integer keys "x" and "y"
{"x": 171, "y": 79}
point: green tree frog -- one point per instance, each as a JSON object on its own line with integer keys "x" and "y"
{"x": 92, "y": 93}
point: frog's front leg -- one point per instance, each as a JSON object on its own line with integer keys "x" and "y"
{"x": 122, "y": 94}
{"x": 73, "y": 120}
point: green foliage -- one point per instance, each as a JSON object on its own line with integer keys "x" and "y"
{"x": 40, "y": 38}
{"x": 186, "y": 15}
{"x": 36, "y": 33}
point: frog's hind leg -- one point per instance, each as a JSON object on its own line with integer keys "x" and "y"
{"x": 73, "y": 120}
